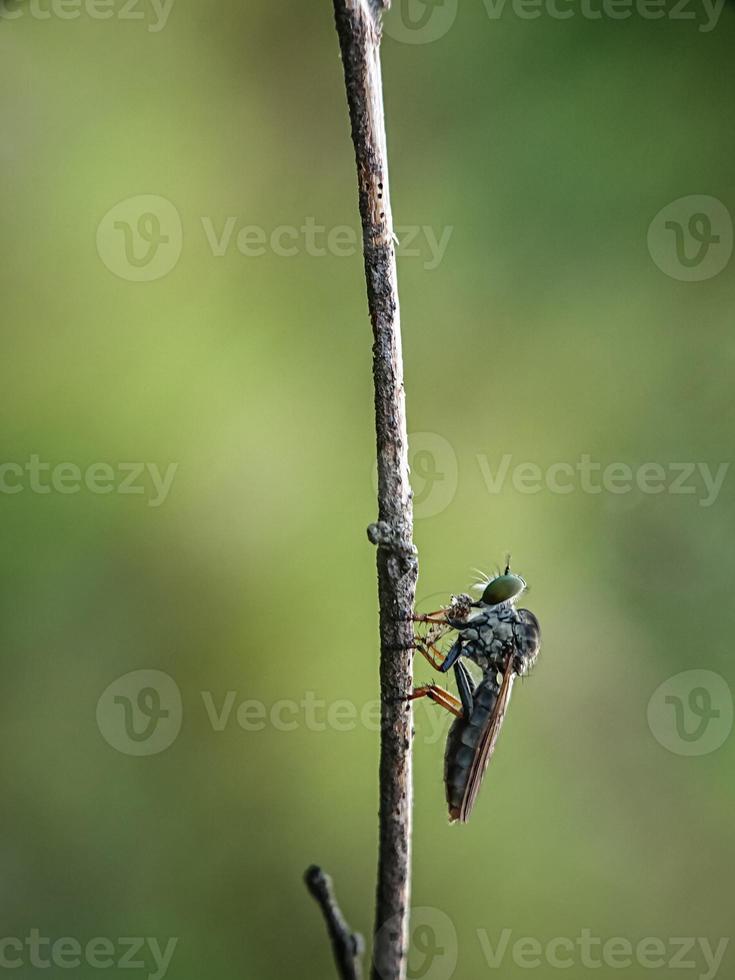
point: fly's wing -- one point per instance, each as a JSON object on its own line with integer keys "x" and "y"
{"x": 487, "y": 744}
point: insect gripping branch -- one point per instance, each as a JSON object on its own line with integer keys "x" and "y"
{"x": 359, "y": 29}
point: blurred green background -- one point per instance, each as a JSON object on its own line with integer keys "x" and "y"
{"x": 544, "y": 149}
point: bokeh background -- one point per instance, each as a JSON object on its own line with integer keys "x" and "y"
{"x": 547, "y": 330}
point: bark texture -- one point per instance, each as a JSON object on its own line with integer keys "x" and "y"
{"x": 359, "y": 29}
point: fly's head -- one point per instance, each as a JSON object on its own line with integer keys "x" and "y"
{"x": 502, "y": 589}
{"x": 527, "y": 641}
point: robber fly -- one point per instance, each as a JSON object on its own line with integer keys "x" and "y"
{"x": 504, "y": 643}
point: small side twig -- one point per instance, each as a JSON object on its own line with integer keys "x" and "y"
{"x": 347, "y": 945}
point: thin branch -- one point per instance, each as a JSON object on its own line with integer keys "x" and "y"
{"x": 359, "y": 30}
{"x": 347, "y": 945}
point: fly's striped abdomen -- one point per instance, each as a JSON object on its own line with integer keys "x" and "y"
{"x": 464, "y": 737}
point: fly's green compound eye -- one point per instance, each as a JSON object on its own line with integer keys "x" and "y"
{"x": 503, "y": 588}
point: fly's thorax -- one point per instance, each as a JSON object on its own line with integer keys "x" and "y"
{"x": 488, "y": 638}
{"x": 495, "y": 633}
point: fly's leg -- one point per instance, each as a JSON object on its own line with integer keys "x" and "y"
{"x": 441, "y": 697}
{"x": 452, "y": 657}
{"x": 440, "y": 661}
{"x": 465, "y": 686}
{"x": 426, "y": 650}
{"x": 427, "y": 639}
{"x": 448, "y": 622}
{"x": 430, "y": 617}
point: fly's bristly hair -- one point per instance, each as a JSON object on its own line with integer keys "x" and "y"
{"x": 482, "y": 581}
